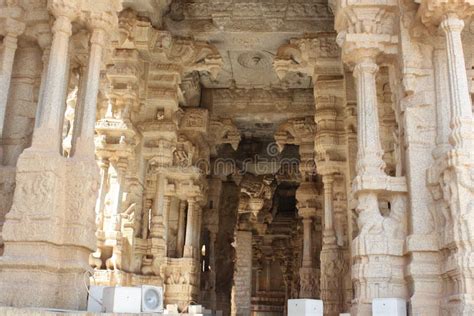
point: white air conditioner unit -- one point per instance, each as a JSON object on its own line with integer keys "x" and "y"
{"x": 123, "y": 299}
{"x": 152, "y": 299}
{"x": 389, "y": 307}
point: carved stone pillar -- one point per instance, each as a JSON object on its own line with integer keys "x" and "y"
{"x": 379, "y": 244}
{"x": 212, "y": 269}
{"x": 442, "y": 102}
{"x": 190, "y": 223}
{"x": 332, "y": 260}
{"x": 307, "y": 242}
{"x": 85, "y": 136}
{"x": 197, "y": 231}
{"x": 13, "y": 29}
{"x": 241, "y": 289}
{"x": 104, "y": 183}
{"x": 47, "y": 134}
{"x": 181, "y": 229}
{"x": 308, "y": 274}
{"x": 461, "y": 106}
{"x": 369, "y": 151}
{"x": 450, "y": 176}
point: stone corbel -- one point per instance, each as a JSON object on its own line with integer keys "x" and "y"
{"x": 310, "y": 55}
{"x": 223, "y": 131}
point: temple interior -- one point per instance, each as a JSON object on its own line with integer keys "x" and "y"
{"x": 239, "y": 154}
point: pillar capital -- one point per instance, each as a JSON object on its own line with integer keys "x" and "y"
{"x": 328, "y": 179}
{"x": 307, "y": 213}
{"x": 435, "y": 12}
{"x": 62, "y": 24}
{"x": 365, "y": 65}
{"x": 13, "y": 27}
{"x": 451, "y": 23}
{"x": 103, "y": 163}
{"x": 69, "y": 9}
{"x": 98, "y": 36}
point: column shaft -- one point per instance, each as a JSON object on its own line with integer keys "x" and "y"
{"x": 461, "y": 106}
{"x": 9, "y": 48}
{"x": 369, "y": 153}
{"x": 442, "y": 101}
{"x": 104, "y": 175}
{"x": 48, "y": 133}
{"x": 188, "y": 244}
{"x": 307, "y": 243}
{"x": 328, "y": 233}
{"x": 181, "y": 226}
{"x": 86, "y": 134}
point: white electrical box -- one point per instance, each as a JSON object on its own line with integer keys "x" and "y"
{"x": 305, "y": 307}
{"x": 94, "y": 300}
{"x": 122, "y": 299}
{"x": 389, "y": 307}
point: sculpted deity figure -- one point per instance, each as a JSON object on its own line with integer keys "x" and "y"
{"x": 184, "y": 152}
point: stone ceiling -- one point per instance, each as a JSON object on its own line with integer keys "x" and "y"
{"x": 247, "y": 34}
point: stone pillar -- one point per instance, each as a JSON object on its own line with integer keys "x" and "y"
{"x": 189, "y": 242}
{"x": 329, "y": 235}
{"x": 307, "y": 242}
{"x": 103, "y": 188}
{"x": 461, "y": 105}
{"x": 456, "y": 180}
{"x": 442, "y": 102}
{"x": 332, "y": 260}
{"x": 308, "y": 274}
{"x": 197, "y": 231}
{"x": 369, "y": 153}
{"x": 212, "y": 269}
{"x": 13, "y": 29}
{"x": 166, "y": 212}
{"x": 380, "y": 242}
{"x": 85, "y": 138}
{"x": 47, "y": 134}
{"x": 423, "y": 243}
{"x": 181, "y": 229}
{"x": 19, "y": 119}
{"x": 241, "y": 289}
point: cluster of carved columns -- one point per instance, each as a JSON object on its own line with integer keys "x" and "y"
{"x": 52, "y": 212}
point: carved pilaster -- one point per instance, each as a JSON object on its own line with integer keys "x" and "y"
{"x": 450, "y": 176}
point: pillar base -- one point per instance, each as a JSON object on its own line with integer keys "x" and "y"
{"x": 181, "y": 277}
{"x": 44, "y": 275}
{"x": 49, "y": 232}
{"x": 309, "y": 285}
